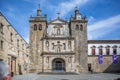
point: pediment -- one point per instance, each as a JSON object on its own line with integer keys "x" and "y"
{"x": 58, "y": 21}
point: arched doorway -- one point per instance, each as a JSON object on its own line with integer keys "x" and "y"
{"x": 58, "y": 64}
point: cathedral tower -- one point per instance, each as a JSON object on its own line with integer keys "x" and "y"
{"x": 78, "y": 27}
{"x": 38, "y": 26}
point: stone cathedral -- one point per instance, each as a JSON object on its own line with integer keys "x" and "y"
{"x": 58, "y": 45}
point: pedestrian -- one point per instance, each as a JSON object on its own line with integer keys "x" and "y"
{"x": 4, "y": 71}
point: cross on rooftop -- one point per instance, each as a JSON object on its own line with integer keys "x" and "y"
{"x": 58, "y": 14}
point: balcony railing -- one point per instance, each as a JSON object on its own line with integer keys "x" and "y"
{"x": 38, "y": 18}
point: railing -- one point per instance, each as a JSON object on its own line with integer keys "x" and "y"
{"x": 38, "y": 18}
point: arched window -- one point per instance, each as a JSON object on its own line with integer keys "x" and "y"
{"x": 115, "y": 49}
{"x": 100, "y": 50}
{"x": 77, "y": 27}
{"x": 81, "y": 27}
{"x": 40, "y": 27}
{"x": 107, "y": 50}
{"x": 93, "y": 50}
{"x": 35, "y": 26}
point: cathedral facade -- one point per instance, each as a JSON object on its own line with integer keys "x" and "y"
{"x": 58, "y": 45}
{"x": 62, "y": 46}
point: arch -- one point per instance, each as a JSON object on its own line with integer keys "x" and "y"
{"x": 58, "y": 64}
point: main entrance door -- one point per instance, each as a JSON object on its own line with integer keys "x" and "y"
{"x": 58, "y": 65}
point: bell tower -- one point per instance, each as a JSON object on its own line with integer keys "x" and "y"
{"x": 38, "y": 26}
{"x": 78, "y": 27}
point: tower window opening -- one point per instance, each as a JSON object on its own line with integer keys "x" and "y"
{"x": 40, "y": 27}
{"x": 35, "y": 26}
{"x": 81, "y": 27}
{"x": 77, "y": 27}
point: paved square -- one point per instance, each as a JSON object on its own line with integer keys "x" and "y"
{"x": 97, "y": 76}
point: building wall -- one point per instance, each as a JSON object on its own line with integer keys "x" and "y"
{"x": 107, "y": 65}
{"x": 15, "y": 48}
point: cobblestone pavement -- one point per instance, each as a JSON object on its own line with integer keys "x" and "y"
{"x": 97, "y": 76}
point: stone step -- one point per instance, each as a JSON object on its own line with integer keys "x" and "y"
{"x": 58, "y": 73}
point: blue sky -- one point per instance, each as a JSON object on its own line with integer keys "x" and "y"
{"x": 103, "y": 15}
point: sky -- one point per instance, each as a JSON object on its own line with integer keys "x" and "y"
{"x": 103, "y": 15}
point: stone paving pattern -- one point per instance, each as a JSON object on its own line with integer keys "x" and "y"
{"x": 97, "y": 76}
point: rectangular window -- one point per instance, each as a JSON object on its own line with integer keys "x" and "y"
{"x": 1, "y": 28}
{"x": 22, "y": 46}
{"x": 17, "y": 42}
{"x": 1, "y": 44}
{"x": 11, "y": 35}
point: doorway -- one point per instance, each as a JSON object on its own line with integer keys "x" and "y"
{"x": 58, "y": 65}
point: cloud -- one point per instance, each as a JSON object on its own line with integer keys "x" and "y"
{"x": 91, "y": 20}
{"x": 66, "y": 7}
{"x": 103, "y": 27}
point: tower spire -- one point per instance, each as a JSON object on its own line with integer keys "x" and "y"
{"x": 38, "y": 10}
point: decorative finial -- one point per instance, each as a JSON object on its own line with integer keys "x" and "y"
{"x": 58, "y": 15}
{"x": 38, "y": 11}
{"x": 76, "y": 8}
{"x": 38, "y": 6}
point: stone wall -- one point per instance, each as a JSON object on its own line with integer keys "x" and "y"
{"x": 106, "y": 66}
